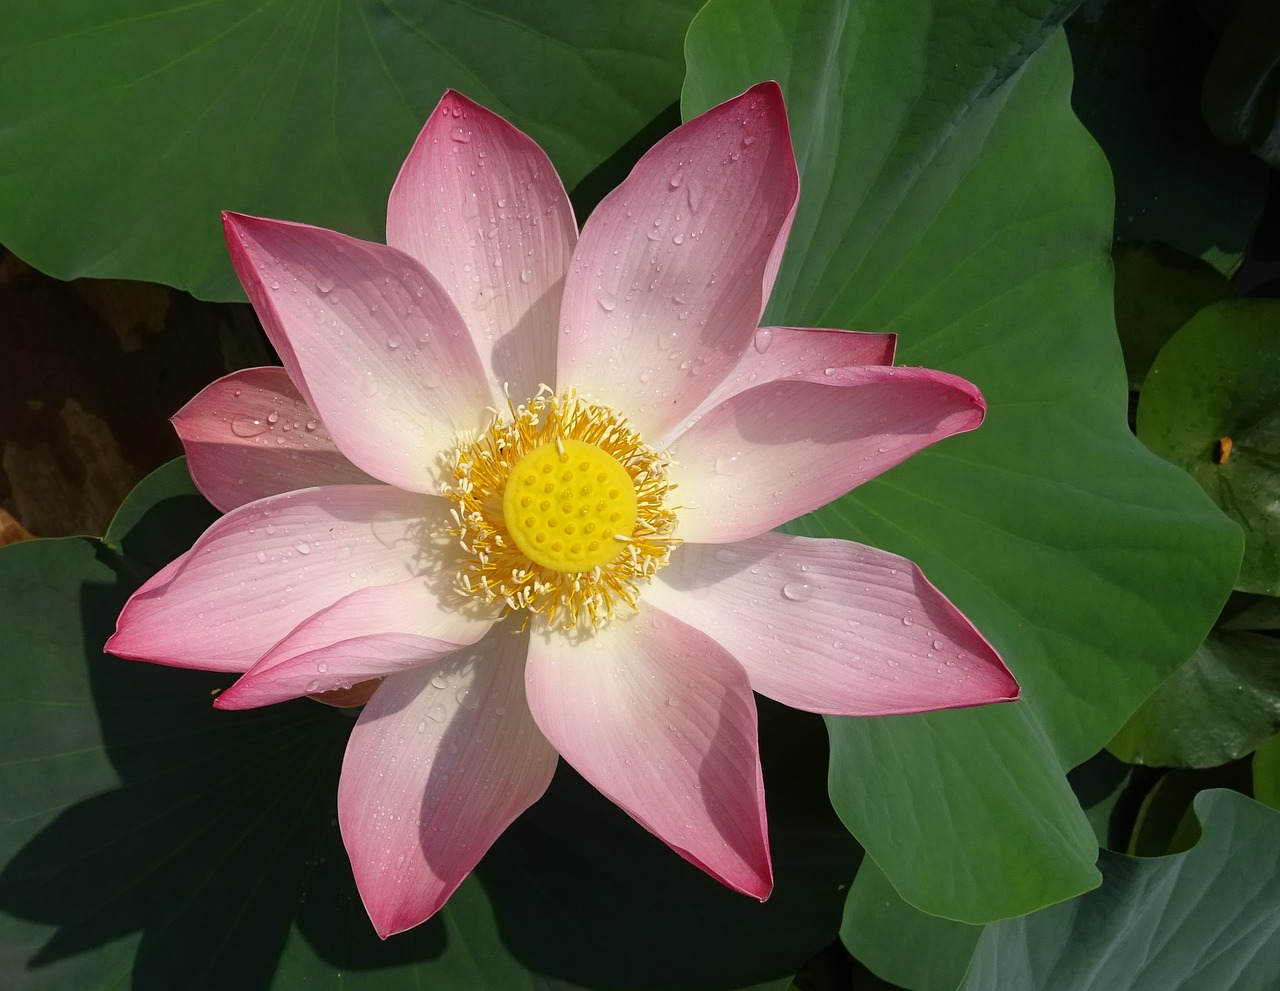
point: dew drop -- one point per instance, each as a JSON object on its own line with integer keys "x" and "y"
{"x": 607, "y": 300}
{"x": 312, "y": 424}
{"x": 370, "y": 384}
{"x": 796, "y": 591}
{"x": 247, "y": 427}
{"x": 461, "y": 135}
{"x": 694, "y": 188}
{"x": 908, "y": 621}
{"x": 322, "y": 667}
{"x": 436, "y": 713}
{"x": 676, "y": 179}
{"x": 261, "y": 556}
{"x": 467, "y": 698}
{"x": 312, "y": 685}
{"x": 439, "y": 681}
{"x": 763, "y": 338}
{"x": 302, "y": 547}
{"x": 324, "y": 284}
{"x": 726, "y": 464}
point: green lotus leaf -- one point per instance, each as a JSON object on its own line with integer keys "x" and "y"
{"x": 1207, "y": 918}
{"x": 948, "y": 194}
{"x": 176, "y": 111}
{"x": 1211, "y": 405}
{"x": 1217, "y": 707}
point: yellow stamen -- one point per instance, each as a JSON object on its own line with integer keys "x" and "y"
{"x": 561, "y": 510}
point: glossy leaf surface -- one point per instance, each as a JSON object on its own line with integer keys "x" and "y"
{"x": 178, "y": 111}
{"x": 976, "y": 226}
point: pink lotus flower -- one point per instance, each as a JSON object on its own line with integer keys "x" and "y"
{"x": 521, "y": 483}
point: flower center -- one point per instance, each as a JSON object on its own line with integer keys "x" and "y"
{"x": 561, "y": 510}
{"x": 565, "y": 505}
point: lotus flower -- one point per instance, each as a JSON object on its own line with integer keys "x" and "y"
{"x": 513, "y": 488}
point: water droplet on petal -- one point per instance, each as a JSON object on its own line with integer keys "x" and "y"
{"x": 322, "y": 667}
{"x": 763, "y": 338}
{"x": 607, "y": 300}
{"x": 436, "y": 713}
{"x": 248, "y": 427}
{"x": 467, "y": 698}
{"x": 302, "y": 547}
{"x": 676, "y": 180}
{"x": 439, "y": 681}
{"x": 694, "y": 188}
{"x": 369, "y": 384}
{"x": 796, "y": 591}
{"x": 726, "y": 464}
{"x": 312, "y": 685}
{"x": 908, "y": 621}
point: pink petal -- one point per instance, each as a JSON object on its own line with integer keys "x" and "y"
{"x": 251, "y": 434}
{"x": 673, "y": 269}
{"x": 262, "y": 569}
{"x": 833, "y": 626}
{"x": 372, "y": 341}
{"x": 778, "y": 451}
{"x": 480, "y": 205}
{"x": 779, "y": 353}
{"x": 661, "y": 720}
{"x": 440, "y": 762}
{"x": 370, "y": 633}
